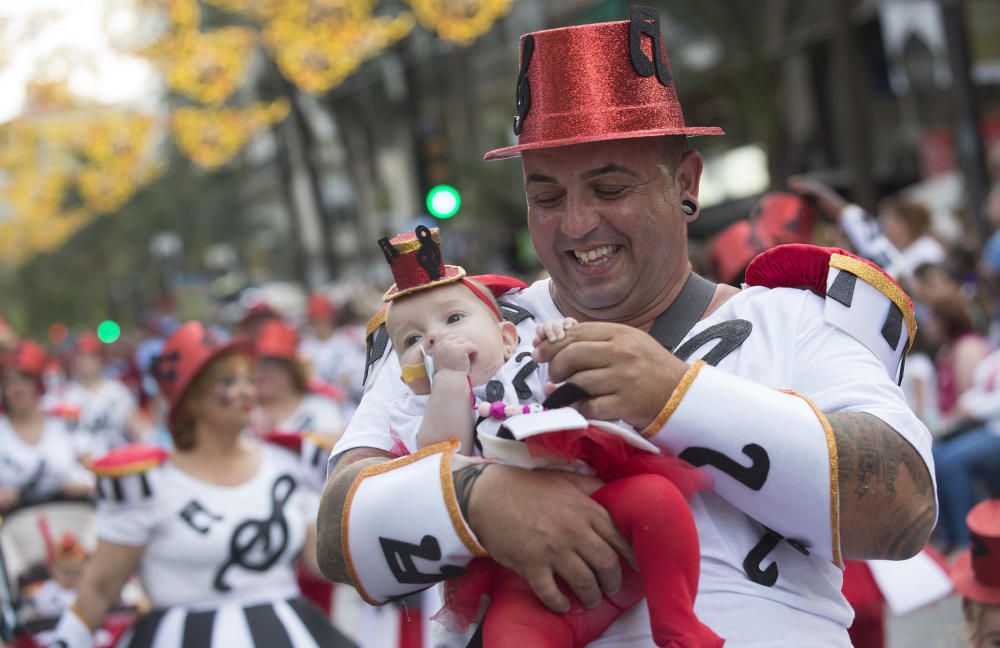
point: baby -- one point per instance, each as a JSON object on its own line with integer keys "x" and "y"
{"x": 452, "y": 344}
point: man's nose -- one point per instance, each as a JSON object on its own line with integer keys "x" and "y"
{"x": 580, "y": 217}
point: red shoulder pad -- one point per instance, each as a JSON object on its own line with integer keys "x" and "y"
{"x": 499, "y": 284}
{"x": 797, "y": 265}
{"x": 287, "y": 440}
{"x": 129, "y": 460}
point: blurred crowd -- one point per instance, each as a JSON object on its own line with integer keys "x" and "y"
{"x": 63, "y": 407}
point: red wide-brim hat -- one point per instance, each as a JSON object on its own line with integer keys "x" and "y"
{"x": 976, "y": 573}
{"x": 596, "y": 82}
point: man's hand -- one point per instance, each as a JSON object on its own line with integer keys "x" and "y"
{"x": 628, "y": 374}
{"x": 562, "y": 532}
{"x": 828, "y": 201}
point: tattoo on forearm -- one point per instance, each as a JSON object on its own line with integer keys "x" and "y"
{"x": 886, "y": 498}
{"x": 464, "y": 478}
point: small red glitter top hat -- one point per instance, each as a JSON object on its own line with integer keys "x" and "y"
{"x": 416, "y": 262}
{"x": 596, "y": 82}
{"x": 976, "y": 573}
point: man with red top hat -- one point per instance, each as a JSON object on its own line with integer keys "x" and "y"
{"x": 976, "y": 575}
{"x": 787, "y": 397}
{"x": 102, "y": 409}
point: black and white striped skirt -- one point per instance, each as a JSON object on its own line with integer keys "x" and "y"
{"x": 292, "y": 623}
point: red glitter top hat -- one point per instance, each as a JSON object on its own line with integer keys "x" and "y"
{"x": 416, "y": 262}
{"x": 596, "y": 82}
{"x": 976, "y": 573}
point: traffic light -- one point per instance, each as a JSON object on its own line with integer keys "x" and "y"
{"x": 443, "y": 201}
{"x": 108, "y": 331}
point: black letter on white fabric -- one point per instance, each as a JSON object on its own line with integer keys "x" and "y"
{"x": 751, "y": 564}
{"x": 192, "y": 510}
{"x": 731, "y": 336}
{"x": 752, "y": 476}
{"x": 513, "y": 313}
{"x": 520, "y": 381}
{"x": 399, "y": 556}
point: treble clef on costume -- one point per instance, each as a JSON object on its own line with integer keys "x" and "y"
{"x": 429, "y": 254}
{"x": 258, "y": 544}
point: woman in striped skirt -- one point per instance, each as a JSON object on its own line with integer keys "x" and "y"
{"x": 213, "y": 529}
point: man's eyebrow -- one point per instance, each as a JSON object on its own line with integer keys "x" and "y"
{"x": 538, "y": 177}
{"x": 609, "y": 168}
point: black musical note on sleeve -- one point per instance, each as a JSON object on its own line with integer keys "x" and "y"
{"x": 399, "y": 556}
{"x": 752, "y": 476}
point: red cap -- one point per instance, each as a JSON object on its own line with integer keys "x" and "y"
{"x": 320, "y": 306}
{"x": 185, "y": 354}
{"x": 596, "y": 82}
{"x": 28, "y": 357}
{"x": 88, "y": 343}
{"x": 276, "y": 339}
{"x": 976, "y": 573}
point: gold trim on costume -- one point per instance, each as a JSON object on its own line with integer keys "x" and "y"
{"x": 376, "y": 321}
{"x": 831, "y": 443}
{"x": 454, "y": 512}
{"x": 674, "y": 401}
{"x": 449, "y": 447}
{"x": 76, "y": 612}
{"x": 884, "y": 285}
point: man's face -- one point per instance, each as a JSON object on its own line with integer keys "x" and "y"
{"x": 606, "y": 223}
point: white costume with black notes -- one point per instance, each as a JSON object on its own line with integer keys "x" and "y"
{"x": 218, "y": 560}
{"x": 756, "y": 589}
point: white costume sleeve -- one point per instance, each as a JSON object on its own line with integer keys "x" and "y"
{"x": 126, "y": 508}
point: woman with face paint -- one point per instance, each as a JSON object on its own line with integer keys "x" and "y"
{"x": 214, "y": 528}
{"x": 37, "y": 455}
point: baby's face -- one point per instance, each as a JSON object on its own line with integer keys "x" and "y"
{"x": 425, "y": 318}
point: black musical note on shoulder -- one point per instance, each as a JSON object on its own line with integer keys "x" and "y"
{"x": 258, "y": 544}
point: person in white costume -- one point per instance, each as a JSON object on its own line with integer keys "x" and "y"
{"x": 786, "y": 397}
{"x": 38, "y": 459}
{"x": 213, "y": 529}
{"x": 104, "y": 408}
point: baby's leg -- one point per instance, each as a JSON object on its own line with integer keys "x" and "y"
{"x": 518, "y": 619}
{"x": 654, "y": 516}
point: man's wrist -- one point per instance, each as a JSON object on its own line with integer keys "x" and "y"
{"x": 465, "y": 479}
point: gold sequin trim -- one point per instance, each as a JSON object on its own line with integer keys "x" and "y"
{"x": 411, "y": 243}
{"x": 674, "y": 401}
{"x": 452, "y": 274}
{"x": 884, "y": 285}
{"x": 448, "y": 447}
{"x": 376, "y": 321}
{"x": 831, "y": 444}
{"x": 451, "y": 501}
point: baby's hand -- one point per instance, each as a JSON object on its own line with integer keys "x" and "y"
{"x": 454, "y": 353}
{"x": 553, "y": 330}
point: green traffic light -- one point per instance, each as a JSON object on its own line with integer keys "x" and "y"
{"x": 108, "y": 331}
{"x": 443, "y": 201}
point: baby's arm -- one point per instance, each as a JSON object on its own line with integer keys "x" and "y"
{"x": 553, "y": 330}
{"x": 449, "y": 409}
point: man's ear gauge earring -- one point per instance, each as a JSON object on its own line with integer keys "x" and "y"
{"x": 689, "y": 207}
